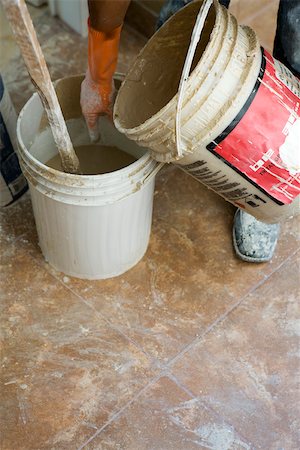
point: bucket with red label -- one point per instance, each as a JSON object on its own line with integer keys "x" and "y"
{"x": 220, "y": 107}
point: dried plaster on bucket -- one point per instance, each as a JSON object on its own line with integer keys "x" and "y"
{"x": 95, "y": 226}
{"x": 229, "y": 73}
{"x": 155, "y": 77}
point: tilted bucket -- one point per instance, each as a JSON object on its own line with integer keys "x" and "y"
{"x": 239, "y": 127}
{"x": 89, "y": 226}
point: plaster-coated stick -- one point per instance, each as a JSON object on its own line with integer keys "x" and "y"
{"x": 26, "y": 38}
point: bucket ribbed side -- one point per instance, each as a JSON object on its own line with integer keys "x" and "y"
{"x": 228, "y": 138}
{"x": 89, "y": 226}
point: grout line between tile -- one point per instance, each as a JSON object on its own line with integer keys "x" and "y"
{"x": 121, "y": 410}
{"x": 220, "y": 319}
{"x": 179, "y": 384}
{"x": 208, "y": 407}
{"x": 155, "y": 362}
{"x": 151, "y": 383}
{"x": 166, "y": 370}
{"x": 223, "y": 316}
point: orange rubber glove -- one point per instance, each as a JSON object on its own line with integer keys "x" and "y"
{"x": 97, "y": 89}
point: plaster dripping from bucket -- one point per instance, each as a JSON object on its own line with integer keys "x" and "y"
{"x": 12, "y": 182}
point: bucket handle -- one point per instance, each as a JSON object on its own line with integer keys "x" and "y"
{"x": 153, "y": 173}
{"x": 120, "y": 76}
{"x": 196, "y": 34}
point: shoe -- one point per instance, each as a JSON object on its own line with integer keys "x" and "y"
{"x": 254, "y": 241}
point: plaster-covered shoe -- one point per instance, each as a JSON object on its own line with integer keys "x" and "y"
{"x": 254, "y": 241}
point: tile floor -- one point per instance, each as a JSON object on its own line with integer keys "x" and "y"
{"x": 191, "y": 349}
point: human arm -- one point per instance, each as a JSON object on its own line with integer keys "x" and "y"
{"x": 104, "y": 28}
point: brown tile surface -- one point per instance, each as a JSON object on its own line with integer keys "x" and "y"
{"x": 17, "y": 221}
{"x": 264, "y": 24}
{"x": 247, "y": 369}
{"x": 56, "y": 40}
{"x": 75, "y": 352}
{"x": 244, "y": 10}
{"x": 65, "y": 52}
{"x": 8, "y": 47}
{"x": 189, "y": 276}
{"x": 64, "y": 371}
{"x": 165, "y": 417}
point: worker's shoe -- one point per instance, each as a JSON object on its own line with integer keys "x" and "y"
{"x": 254, "y": 241}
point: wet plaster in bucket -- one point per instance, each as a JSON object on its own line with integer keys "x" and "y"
{"x": 155, "y": 77}
{"x": 95, "y": 159}
{"x": 89, "y": 226}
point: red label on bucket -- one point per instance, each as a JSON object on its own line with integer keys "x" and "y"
{"x": 263, "y": 143}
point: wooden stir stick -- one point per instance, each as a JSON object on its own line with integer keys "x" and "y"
{"x": 23, "y": 29}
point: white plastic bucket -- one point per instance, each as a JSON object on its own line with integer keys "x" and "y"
{"x": 91, "y": 226}
{"x": 239, "y": 115}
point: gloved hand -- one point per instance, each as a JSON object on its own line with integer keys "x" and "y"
{"x": 97, "y": 89}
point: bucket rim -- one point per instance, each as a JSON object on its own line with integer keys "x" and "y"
{"x": 156, "y": 117}
{"x": 130, "y": 173}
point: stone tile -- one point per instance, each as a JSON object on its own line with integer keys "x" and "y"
{"x": 17, "y": 228}
{"x": 247, "y": 369}
{"x": 56, "y": 39}
{"x": 189, "y": 276}
{"x": 244, "y": 10}
{"x": 64, "y": 371}
{"x": 8, "y": 48}
{"x": 264, "y": 24}
{"x": 167, "y": 418}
